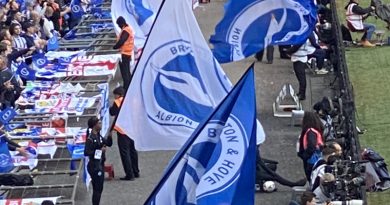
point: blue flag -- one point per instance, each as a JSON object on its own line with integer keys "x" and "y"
{"x": 10, "y": 127}
{"x": 76, "y": 9}
{"x": 76, "y": 152}
{"x": 52, "y": 43}
{"x": 217, "y": 164}
{"x": 40, "y": 60}
{"x": 25, "y": 72}
{"x": 6, "y": 164}
{"x": 250, "y": 25}
{"x": 7, "y": 115}
{"x": 70, "y": 35}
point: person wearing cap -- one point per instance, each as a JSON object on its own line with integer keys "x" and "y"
{"x": 127, "y": 151}
{"x": 95, "y": 148}
{"x": 125, "y": 43}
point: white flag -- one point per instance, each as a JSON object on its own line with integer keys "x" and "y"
{"x": 139, "y": 14}
{"x": 177, "y": 82}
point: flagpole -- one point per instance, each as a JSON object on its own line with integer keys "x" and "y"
{"x": 191, "y": 140}
{"x": 136, "y": 66}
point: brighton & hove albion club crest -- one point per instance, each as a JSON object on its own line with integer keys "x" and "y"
{"x": 212, "y": 164}
{"x": 273, "y": 20}
{"x": 172, "y": 88}
{"x": 76, "y": 9}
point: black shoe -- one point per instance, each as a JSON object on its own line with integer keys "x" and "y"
{"x": 301, "y": 182}
{"x": 301, "y": 97}
{"x": 269, "y": 62}
{"x": 127, "y": 178}
{"x": 136, "y": 175}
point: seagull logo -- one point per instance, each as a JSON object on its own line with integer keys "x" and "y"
{"x": 278, "y": 11}
{"x": 178, "y": 96}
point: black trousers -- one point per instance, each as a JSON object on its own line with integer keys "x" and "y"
{"x": 125, "y": 70}
{"x": 270, "y": 54}
{"x": 299, "y": 69}
{"x": 129, "y": 155}
{"x": 97, "y": 176}
{"x": 307, "y": 168}
{"x": 320, "y": 55}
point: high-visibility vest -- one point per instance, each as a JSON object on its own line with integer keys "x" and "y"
{"x": 355, "y": 20}
{"x": 320, "y": 142}
{"x": 128, "y": 46}
{"x": 118, "y": 103}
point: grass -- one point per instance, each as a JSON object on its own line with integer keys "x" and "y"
{"x": 369, "y": 72}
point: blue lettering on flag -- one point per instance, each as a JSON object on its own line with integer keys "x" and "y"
{"x": 250, "y": 25}
{"x": 217, "y": 164}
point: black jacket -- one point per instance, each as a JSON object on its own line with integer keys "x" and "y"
{"x": 93, "y": 143}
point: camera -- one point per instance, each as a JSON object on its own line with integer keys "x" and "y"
{"x": 349, "y": 179}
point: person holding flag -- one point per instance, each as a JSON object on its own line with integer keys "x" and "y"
{"x": 127, "y": 151}
{"x": 125, "y": 43}
{"x": 95, "y": 148}
{"x": 9, "y": 88}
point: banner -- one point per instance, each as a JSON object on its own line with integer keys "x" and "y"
{"x": 217, "y": 163}
{"x": 177, "y": 82}
{"x": 28, "y": 201}
{"x": 250, "y": 25}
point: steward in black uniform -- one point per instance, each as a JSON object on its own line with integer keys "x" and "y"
{"x": 95, "y": 148}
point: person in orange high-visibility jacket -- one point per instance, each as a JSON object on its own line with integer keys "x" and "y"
{"x": 127, "y": 151}
{"x": 125, "y": 43}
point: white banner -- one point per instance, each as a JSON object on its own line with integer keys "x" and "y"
{"x": 29, "y": 201}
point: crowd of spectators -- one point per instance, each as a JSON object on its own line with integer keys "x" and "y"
{"x": 25, "y": 28}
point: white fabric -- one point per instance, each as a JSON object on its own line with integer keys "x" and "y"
{"x": 48, "y": 26}
{"x": 139, "y": 113}
{"x": 121, "y": 8}
{"x": 310, "y": 48}
{"x": 27, "y": 201}
{"x": 301, "y": 53}
{"x": 355, "y": 19}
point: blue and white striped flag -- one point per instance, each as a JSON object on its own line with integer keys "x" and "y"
{"x": 217, "y": 163}
{"x": 250, "y": 25}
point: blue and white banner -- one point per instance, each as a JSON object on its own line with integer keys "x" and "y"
{"x": 139, "y": 14}
{"x": 177, "y": 82}
{"x": 250, "y": 25}
{"x": 217, "y": 163}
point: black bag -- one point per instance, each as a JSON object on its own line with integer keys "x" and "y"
{"x": 16, "y": 180}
